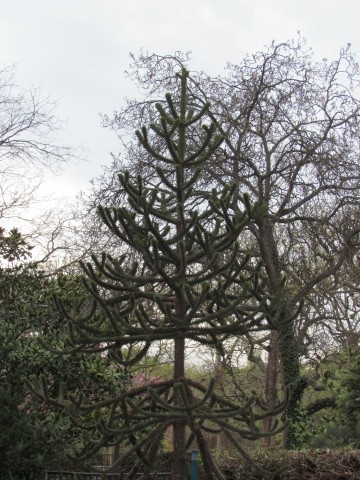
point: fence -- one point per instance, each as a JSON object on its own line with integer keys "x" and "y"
{"x": 53, "y": 475}
{"x": 69, "y": 475}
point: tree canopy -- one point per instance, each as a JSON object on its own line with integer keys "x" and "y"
{"x": 291, "y": 141}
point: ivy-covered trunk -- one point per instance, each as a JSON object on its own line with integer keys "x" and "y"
{"x": 283, "y": 344}
{"x": 293, "y": 382}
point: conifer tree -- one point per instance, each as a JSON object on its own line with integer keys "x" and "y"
{"x": 189, "y": 284}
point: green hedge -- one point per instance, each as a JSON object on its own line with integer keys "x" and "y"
{"x": 330, "y": 464}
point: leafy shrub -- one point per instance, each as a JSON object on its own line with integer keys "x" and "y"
{"x": 337, "y": 464}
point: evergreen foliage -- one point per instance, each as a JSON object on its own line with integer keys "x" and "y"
{"x": 32, "y": 436}
{"x": 316, "y": 464}
{"x": 190, "y": 283}
{"x": 349, "y": 401}
{"x": 331, "y": 420}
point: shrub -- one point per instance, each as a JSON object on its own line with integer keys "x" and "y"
{"x": 337, "y": 464}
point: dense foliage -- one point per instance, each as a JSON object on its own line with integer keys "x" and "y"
{"x": 349, "y": 400}
{"x": 32, "y": 436}
{"x": 318, "y": 464}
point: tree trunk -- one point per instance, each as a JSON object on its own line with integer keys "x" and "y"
{"x": 288, "y": 343}
{"x": 289, "y": 356}
{"x": 179, "y": 455}
{"x": 219, "y": 372}
{"x": 271, "y": 389}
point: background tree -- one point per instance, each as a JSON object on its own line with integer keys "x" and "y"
{"x": 291, "y": 140}
{"x": 191, "y": 284}
{"x": 29, "y": 149}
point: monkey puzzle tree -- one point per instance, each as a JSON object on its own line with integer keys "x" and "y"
{"x": 189, "y": 284}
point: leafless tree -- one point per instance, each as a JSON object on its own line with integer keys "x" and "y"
{"x": 291, "y": 130}
{"x": 29, "y": 149}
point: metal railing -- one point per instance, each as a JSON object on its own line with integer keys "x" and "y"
{"x": 72, "y": 475}
{"x": 58, "y": 475}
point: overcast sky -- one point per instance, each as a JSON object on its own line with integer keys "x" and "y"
{"x": 76, "y": 51}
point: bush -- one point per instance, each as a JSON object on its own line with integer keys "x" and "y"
{"x": 337, "y": 464}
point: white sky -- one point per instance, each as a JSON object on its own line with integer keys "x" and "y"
{"x": 76, "y": 51}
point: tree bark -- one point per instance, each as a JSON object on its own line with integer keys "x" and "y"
{"x": 179, "y": 456}
{"x": 271, "y": 378}
{"x": 284, "y": 343}
{"x": 219, "y": 372}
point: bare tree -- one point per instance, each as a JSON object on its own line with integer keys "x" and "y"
{"x": 28, "y": 149}
{"x": 291, "y": 129}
